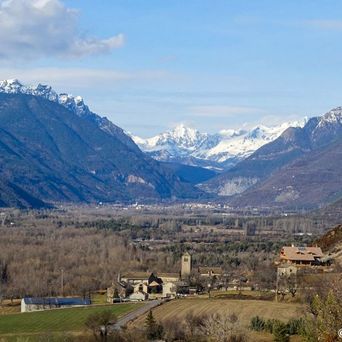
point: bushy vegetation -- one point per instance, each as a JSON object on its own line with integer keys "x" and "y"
{"x": 279, "y": 329}
{"x": 222, "y": 327}
{"x": 257, "y": 324}
{"x": 322, "y": 322}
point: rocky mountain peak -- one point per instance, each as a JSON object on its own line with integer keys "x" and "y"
{"x": 74, "y": 104}
{"x": 14, "y": 86}
{"x": 226, "y": 147}
{"x": 332, "y": 117}
{"x": 186, "y": 136}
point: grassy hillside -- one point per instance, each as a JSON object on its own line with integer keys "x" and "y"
{"x": 59, "y": 320}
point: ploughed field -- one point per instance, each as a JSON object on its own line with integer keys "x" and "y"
{"x": 244, "y": 309}
{"x": 58, "y": 320}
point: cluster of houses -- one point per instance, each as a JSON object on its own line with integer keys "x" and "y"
{"x": 139, "y": 286}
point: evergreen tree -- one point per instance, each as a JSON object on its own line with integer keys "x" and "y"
{"x": 154, "y": 330}
{"x": 4, "y": 274}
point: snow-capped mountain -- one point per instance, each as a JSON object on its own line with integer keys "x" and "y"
{"x": 220, "y": 150}
{"x": 300, "y": 168}
{"x": 329, "y": 124}
{"x": 74, "y": 103}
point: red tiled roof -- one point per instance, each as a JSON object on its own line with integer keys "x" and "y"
{"x": 301, "y": 253}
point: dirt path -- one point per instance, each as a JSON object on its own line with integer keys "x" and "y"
{"x": 136, "y": 313}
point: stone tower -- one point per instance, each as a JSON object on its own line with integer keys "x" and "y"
{"x": 186, "y": 265}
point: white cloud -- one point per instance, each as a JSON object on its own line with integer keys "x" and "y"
{"x": 324, "y": 24}
{"x": 79, "y": 78}
{"x": 220, "y": 111}
{"x": 36, "y": 28}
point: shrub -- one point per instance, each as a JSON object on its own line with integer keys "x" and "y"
{"x": 280, "y": 332}
{"x": 270, "y": 324}
{"x": 257, "y": 323}
{"x": 99, "y": 322}
{"x": 295, "y": 326}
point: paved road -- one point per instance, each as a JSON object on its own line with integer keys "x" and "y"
{"x": 136, "y": 313}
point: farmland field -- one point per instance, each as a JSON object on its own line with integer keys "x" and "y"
{"x": 58, "y": 320}
{"x": 245, "y": 309}
{"x": 8, "y": 307}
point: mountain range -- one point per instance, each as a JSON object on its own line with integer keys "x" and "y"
{"x": 218, "y": 151}
{"x": 301, "y": 168}
{"x": 54, "y": 149}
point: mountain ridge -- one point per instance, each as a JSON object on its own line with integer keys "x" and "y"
{"x": 50, "y": 153}
{"x": 73, "y": 103}
{"x": 221, "y": 150}
{"x": 290, "y": 171}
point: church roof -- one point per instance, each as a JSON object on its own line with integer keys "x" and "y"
{"x": 214, "y": 270}
{"x": 137, "y": 275}
{"x": 146, "y": 275}
{"x": 154, "y": 283}
{"x": 168, "y": 275}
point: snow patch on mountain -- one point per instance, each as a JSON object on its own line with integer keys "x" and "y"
{"x": 73, "y": 103}
{"x": 332, "y": 117}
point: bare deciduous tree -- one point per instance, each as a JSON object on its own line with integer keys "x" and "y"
{"x": 223, "y": 328}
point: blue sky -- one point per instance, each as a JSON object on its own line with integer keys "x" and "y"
{"x": 211, "y": 64}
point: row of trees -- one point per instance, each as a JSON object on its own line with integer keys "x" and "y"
{"x": 42, "y": 261}
{"x": 45, "y": 261}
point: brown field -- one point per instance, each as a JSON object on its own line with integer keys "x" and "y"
{"x": 8, "y": 307}
{"x": 245, "y": 309}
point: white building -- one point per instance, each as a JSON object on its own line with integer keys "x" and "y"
{"x": 38, "y": 304}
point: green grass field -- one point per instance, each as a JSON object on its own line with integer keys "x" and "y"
{"x": 58, "y": 320}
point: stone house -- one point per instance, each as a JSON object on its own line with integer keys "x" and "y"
{"x": 301, "y": 255}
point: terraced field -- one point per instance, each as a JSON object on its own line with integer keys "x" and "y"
{"x": 59, "y": 320}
